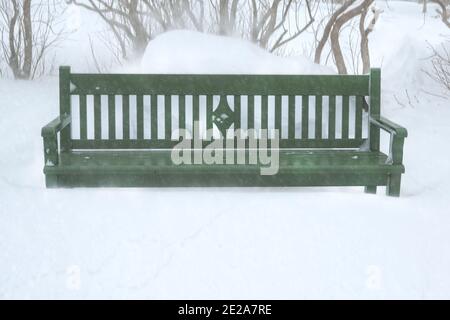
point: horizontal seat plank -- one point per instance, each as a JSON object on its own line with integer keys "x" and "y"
{"x": 290, "y": 161}
{"x": 168, "y": 144}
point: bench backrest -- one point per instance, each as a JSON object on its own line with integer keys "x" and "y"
{"x": 140, "y": 111}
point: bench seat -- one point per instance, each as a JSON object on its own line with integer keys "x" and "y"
{"x": 155, "y": 168}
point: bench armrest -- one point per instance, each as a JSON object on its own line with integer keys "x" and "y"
{"x": 55, "y": 126}
{"x": 390, "y": 126}
{"x": 398, "y": 135}
{"x": 50, "y": 135}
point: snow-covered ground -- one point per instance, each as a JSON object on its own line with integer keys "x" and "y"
{"x": 235, "y": 242}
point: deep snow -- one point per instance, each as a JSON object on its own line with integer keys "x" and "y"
{"x": 235, "y": 243}
{"x": 210, "y": 54}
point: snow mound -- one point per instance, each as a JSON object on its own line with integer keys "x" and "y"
{"x": 401, "y": 45}
{"x": 192, "y": 52}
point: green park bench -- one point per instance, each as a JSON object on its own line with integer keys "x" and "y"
{"x": 117, "y": 130}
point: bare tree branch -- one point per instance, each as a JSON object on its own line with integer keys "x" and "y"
{"x": 364, "y": 32}
{"x": 335, "y": 32}
{"x": 32, "y": 32}
{"x": 327, "y": 29}
{"x": 443, "y": 12}
{"x": 440, "y": 62}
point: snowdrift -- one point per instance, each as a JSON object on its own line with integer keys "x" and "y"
{"x": 192, "y": 52}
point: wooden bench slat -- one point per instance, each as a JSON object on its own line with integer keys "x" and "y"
{"x": 154, "y": 117}
{"x": 291, "y": 117}
{"x": 83, "y": 117}
{"x": 237, "y": 112}
{"x": 305, "y": 116}
{"x": 318, "y": 118}
{"x": 264, "y": 112}
{"x": 140, "y": 117}
{"x": 251, "y": 112}
{"x": 163, "y": 144}
{"x": 182, "y": 112}
{"x": 97, "y": 117}
{"x": 300, "y": 159}
{"x": 168, "y": 117}
{"x": 358, "y": 117}
{"x": 209, "y": 115}
{"x": 220, "y": 84}
{"x": 126, "y": 116}
{"x": 195, "y": 111}
{"x": 332, "y": 117}
{"x": 345, "y": 116}
{"x": 278, "y": 107}
{"x": 112, "y": 116}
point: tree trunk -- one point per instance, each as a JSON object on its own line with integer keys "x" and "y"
{"x": 13, "y": 59}
{"x": 224, "y": 19}
{"x": 254, "y": 32}
{"x": 268, "y": 29}
{"x": 140, "y": 38}
{"x": 445, "y": 15}
{"x": 327, "y": 30}
{"x": 335, "y": 32}
{"x": 28, "y": 40}
{"x": 227, "y": 16}
{"x": 365, "y": 57}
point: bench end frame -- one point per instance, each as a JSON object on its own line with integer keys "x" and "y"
{"x": 64, "y": 106}
{"x": 397, "y": 133}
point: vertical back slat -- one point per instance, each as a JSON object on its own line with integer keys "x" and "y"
{"x": 251, "y": 112}
{"x": 278, "y": 105}
{"x": 345, "y": 116}
{"x": 126, "y": 116}
{"x": 291, "y": 118}
{"x": 154, "y": 117}
{"x": 264, "y": 112}
{"x": 83, "y": 117}
{"x": 168, "y": 117}
{"x": 182, "y": 111}
{"x": 332, "y": 117}
{"x": 195, "y": 110}
{"x": 140, "y": 116}
{"x": 305, "y": 116}
{"x": 358, "y": 117}
{"x": 318, "y": 120}
{"x": 97, "y": 118}
{"x": 237, "y": 112}
{"x": 209, "y": 115}
{"x": 112, "y": 116}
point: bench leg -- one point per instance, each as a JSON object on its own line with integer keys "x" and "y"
{"x": 393, "y": 185}
{"x": 51, "y": 181}
{"x": 370, "y": 189}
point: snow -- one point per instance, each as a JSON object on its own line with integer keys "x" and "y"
{"x": 209, "y": 54}
{"x": 235, "y": 243}
{"x": 402, "y": 48}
